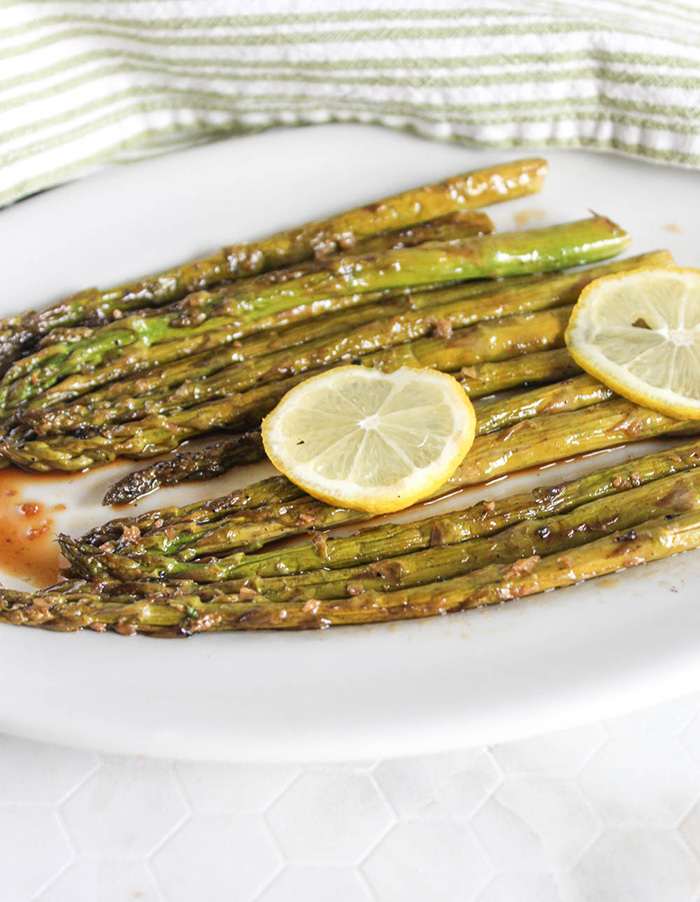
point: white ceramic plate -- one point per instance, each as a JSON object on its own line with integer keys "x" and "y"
{"x": 485, "y": 676}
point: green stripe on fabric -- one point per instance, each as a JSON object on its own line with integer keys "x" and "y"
{"x": 271, "y": 20}
{"x": 194, "y": 23}
{"x": 310, "y": 105}
{"x": 63, "y": 173}
{"x": 430, "y": 63}
{"x": 465, "y": 113}
{"x": 482, "y": 111}
{"x": 485, "y": 113}
{"x": 373, "y": 13}
{"x": 659, "y": 7}
{"x": 60, "y": 174}
{"x": 517, "y": 77}
{"x": 326, "y": 37}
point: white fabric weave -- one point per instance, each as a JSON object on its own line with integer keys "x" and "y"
{"x": 84, "y": 83}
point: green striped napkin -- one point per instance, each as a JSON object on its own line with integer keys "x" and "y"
{"x": 83, "y": 83}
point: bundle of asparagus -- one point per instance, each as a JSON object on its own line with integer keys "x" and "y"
{"x": 221, "y": 358}
{"x": 172, "y": 542}
{"x": 315, "y": 240}
{"x": 418, "y": 279}
{"x": 80, "y": 436}
{"x": 617, "y": 518}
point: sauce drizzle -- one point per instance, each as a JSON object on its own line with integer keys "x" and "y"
{"x": 28, "y": 547}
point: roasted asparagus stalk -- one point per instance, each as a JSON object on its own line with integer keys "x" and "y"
{"x": 318, "y": 239}
{"x": 161, "y": 614}
{"x": 381, "y": 556}
{"x": 489, "y": 256}
{"x": 439, "y": 312}
{"x": 533, "y": 442}
{"x": 207, "y": 463}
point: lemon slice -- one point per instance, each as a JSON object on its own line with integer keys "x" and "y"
{"x": 368, "y": 440}
{"x": 639, "y": 333}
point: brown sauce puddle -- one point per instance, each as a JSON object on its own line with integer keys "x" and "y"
{"x": 28, "y": 547}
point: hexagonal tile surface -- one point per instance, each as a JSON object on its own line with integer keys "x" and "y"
{"x": 604, "y": 813}
{"x": 127, "y": 807}
{"x": 233, "y": 787}
{"x": 300, "y": 817}
{"x": 690, "y": 738}
{"x": 556, "y": 811}
{"x": 33, "y": 851}
{"x": 560, "y": 754}
{"x": 664, "y": 720}
{"x": 644, "y": 865}
{"x": 651, "y": 782}
{"x": 433, "y": 860}
{"x": 31, "y": 772}
{"x": 690, "y": 829}
{"x": 316, "y": 885}
{"x": 465, "y": 791}
{"x": 411, "y": 784}
{"x": 509, "y": 841}
{"x": 509, "y": 886}
{"x": 116, "y": 881}
{"x": 216, "y": 857}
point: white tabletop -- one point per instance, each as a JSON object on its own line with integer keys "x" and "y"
{"x": 605, "y": 813}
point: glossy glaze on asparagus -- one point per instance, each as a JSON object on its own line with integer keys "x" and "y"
{"x": 509, "y": 253}
{"x": 315, "y": 240}
{"x": 389, "y": 541}
{"x": 156, "y": 434}
{"x": 137, "y": 357}
{"x": 544, "y": 533}
{"x": 162, "y": 614}
{"x": 402, "y": 320}
{"x": 222, "y": 357}
{"x": 194, "y": 466}
{"x": 533, "y": 442}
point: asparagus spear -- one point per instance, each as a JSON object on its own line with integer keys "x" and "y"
{"x": 570, "y": 394}
{"x": 514, "y": 253}
{"x": 195, "y": 466}
{"x": 184, "y": 615}
{"x": 207, "y": 463}
{"x": 193, "y": 308}
{"x": 139, "y": 368}
{"x": 465, "y": 542}
{"x": 538, "y": 367}
{"x": 533, "y": 442}
{"x": 481, "y": 519}
{"x": 460, "y": 224}
{"x": 116, "y": 383}
{"x": 668, "y": 497}
{"x": 233, "y": 370}
{"x": 573, "y": 394}
{"x": 278, "y": 489}
{"x": 479, "y": 380}
{"x": 316, "y": 239}
{"x": 152, "y": 435}
{"x": 140, "y": 371}
{"x": 374, "y": 336}
{"x": 665, "y": 497}
{"x": 443, "y": 311}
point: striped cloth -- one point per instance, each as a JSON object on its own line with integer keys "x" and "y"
{"x": 86, "y": 83}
